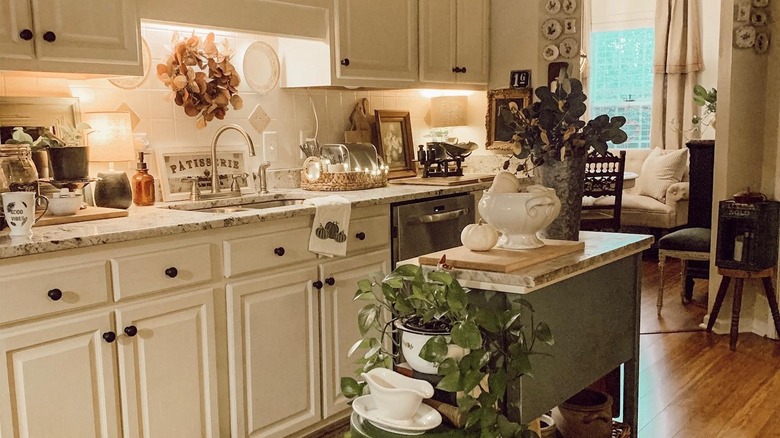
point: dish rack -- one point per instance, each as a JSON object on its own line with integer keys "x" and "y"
{"x": 315, "y": 177}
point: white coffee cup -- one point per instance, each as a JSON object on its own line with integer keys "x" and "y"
{"x": 19, "y": 211}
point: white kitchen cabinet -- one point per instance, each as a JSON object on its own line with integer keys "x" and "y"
{"x": 70, "y": 36}
{"x": 454, "y": 41}
{"x": 338, "y": 321}
{"x": 273, "y": 345}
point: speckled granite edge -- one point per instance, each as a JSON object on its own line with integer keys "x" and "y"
{"x": 600, "y": 248}
{"x": 174, "y": 218}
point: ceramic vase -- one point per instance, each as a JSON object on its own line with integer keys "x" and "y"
{"x": 587, "y": 414}
{"x": 567, "y": 177}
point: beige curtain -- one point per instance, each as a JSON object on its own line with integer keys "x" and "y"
{"x": 676, "y": 60}
{"x": 585, "y": 31}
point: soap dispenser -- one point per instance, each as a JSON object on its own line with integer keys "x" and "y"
{"x": 143, "y": 184}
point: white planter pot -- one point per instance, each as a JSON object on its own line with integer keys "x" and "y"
{"x": 412, "y": 342}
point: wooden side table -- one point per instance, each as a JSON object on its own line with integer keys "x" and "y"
{"x": 740, "y": 275}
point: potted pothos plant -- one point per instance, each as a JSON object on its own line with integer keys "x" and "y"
{"x": 68, "y": 155}
{"x": 495, "y": 342}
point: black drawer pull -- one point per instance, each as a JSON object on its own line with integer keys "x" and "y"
{"x": 172, "y": 272}
{"x": 361, "y": 236}
{"x": 49, "y": 37}
{"x": 345, "y": 62}
{"x": 26, "y": 34}
{"x": 109, "y": 336}
{"x": 317, "y": 284}
{"x": 463, "y": 69}
{"x": 131, "y": 330}
{"x": 279, "y": 251}
{"x": 330, "y": 281}
{"x": 55, "y": 294}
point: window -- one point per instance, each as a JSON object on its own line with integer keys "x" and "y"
{"x": 621, "y": 80}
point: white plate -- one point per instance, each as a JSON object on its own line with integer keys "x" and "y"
{"x": 131, "y": 82}
{"x": 762, "y": 42}
{"x": 261, "y": 67}
{"x": 745, "y": 36}
{"x": 569, "y": 6}
{"x": 552, "y": 29}
{"x": 426, "y": 418}
{"x": 552, "y": 7}
{"x": 568, "y": 47}
{"x": 550, "y": 52}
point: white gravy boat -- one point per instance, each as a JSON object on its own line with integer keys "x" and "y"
{"x": 397, "y": 397}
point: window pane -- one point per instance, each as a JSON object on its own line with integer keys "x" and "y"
{"x": 621, "y": 80}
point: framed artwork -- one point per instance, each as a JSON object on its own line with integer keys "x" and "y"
{"x": 499, "y": 134}
{"x": 394, "y": 132}
{"x": 177, "y": 166}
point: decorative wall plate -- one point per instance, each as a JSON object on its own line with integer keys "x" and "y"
{"x": 550, "y": 52}
{"x": 762, "y": 42}
{"x": 570, "y": 25}
{"x": 552, "y": 29}
{"x": 760, "y": 3}
{"x": 745, "y": 36}
{"x": 261, "y": 67}
{"x": 569, "y": 6}
{"x": 568, "y": 47}
{"x": 131, "y": 82}
{"x": 758, "y": 18}
{"x": 552, "y": 7}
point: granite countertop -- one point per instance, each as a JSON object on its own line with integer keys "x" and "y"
{"x": 600, "y": 249}
{"x": 174, "y": 218}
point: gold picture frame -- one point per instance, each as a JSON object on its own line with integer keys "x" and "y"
{"x": 499, "y": 135}
{"x": 394, "y": 142}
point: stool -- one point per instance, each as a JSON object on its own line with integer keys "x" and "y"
{"x": 740, "y": 275}
{"x": 686, "y": 244}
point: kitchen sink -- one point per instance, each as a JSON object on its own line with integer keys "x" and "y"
{"x": 251, "y": 206}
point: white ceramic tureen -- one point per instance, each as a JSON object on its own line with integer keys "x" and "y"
{"x": 519, "y": 216}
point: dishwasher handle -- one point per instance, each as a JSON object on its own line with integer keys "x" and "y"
{"x": 438, "y": 217}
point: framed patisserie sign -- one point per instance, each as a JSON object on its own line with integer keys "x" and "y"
{"x": 177, "y": 167}
{"x": 394, "y": 129}
{"x": 503, "y": 103}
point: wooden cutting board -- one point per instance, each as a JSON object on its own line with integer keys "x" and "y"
{"x": 444, "y": 180}
{"x": 87, "y": 214}
{"x": 502, "y": 260}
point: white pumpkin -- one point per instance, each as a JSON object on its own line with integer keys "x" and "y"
{"x": 479, "y": 237}
{"x": 505, "y": 182}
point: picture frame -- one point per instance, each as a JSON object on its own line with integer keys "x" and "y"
{"x": 499, "y": 135}
{"x": 177, "y": 163}
{"x": 394, "y": 142}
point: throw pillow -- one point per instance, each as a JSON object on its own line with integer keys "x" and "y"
{"x": 660, "y": 170}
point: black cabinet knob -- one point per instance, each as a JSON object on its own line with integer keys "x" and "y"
{"x": 131, "y": 330}
{"x": 109, "y": 336}
{"x": 55, "y": 294}
{"x": 279, "y": 251}
{"x": 455, "y": 69}
{"x": 172, "y": 272}
{"x": 463, "y": 69}
{"x": 345, "y": 62}
{"x": 330, "y": 281}
{"x": 26, "y": 34}
{"x": 49, "y": 37}
{"x": 317, "y": 284}
{"x": 361, "y": 236}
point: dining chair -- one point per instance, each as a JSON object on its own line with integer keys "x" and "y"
{"x": 603, "y": 177}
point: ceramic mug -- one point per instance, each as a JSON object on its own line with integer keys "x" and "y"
{"x": 19, "y": 211}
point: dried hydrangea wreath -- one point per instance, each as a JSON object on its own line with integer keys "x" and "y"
{"x": 203, "y": 93}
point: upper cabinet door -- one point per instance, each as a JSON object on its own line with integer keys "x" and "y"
{"x": 376, "y": 39}
{"x": 87, "y": 30}
{"x": 438, "y": 40}
{"x": 16, "y": 30}
{"x": 473, "y": 41}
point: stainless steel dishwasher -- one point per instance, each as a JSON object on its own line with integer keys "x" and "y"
{"x": 422, "y": 227}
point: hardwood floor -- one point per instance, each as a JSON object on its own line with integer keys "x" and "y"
{"x": 675, "y": 316}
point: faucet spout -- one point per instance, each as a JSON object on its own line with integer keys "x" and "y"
{"x": 214, "y": 173}
{"x": 263, "y": 179}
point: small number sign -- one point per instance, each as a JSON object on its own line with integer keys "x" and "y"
{"x": 520, "y": 79}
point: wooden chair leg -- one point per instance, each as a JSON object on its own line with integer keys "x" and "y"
{"x": 724, "y": 286}
{"x": 735, "y": 309}
{"x": 660, "y": 303}
{"x": 772, "y": 299}
{"x": 684, "y": 281}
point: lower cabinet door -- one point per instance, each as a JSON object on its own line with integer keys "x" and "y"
{"x": 273, "y": 350}
{"x": 167, "y": 364}
{"x": 58, "y": 379}
{"x": 339, "y": 324}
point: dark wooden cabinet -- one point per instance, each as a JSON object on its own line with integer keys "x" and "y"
{"x": 701, "y": 169}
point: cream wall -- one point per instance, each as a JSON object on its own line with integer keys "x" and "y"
{"x": 166, "y": 125}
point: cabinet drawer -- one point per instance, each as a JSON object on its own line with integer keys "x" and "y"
{"x": 368, "y": 232}
{"x": 267, "y": 251}
{"x": 51, "y": 290}
{"x": 167, "y": 269}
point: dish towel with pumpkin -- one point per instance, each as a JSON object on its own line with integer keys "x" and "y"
{"x": 329, "y": 232}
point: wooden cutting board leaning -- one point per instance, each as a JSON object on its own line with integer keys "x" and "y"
{"x": 502, "y": 260}
{"x": 444, "y": 180}
{"x": 87, "y": 214}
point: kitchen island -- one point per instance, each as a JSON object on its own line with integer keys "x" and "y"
{"x": 591, "y": 301}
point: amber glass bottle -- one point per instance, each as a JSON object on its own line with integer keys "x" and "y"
{"x": 143, "y": 184}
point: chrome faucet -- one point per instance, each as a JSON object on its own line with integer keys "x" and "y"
{"x": 214, "y": 173}
{"x": 262, "y": 175}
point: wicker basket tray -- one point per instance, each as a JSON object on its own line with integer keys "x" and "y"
{"x": 337, "y": 181}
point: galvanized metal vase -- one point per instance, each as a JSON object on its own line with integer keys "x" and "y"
{"x": 567, "y": 177}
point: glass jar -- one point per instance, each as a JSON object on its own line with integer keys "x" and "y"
{"x": 17, "y": 170}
